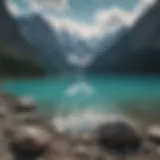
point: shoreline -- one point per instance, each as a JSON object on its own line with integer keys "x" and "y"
{"x": 65, "y": 144}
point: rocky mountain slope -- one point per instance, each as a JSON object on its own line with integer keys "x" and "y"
{"x": 14, "y": 50}
{"x": 137, "y": 52}
{"x": 37, "y": 32}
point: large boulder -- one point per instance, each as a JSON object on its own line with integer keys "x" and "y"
{"x": 30, "y": 139}
{"x": 119, "y": 136}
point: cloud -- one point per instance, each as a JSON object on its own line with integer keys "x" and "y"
{"x": 112, "y": 19}
{"x": 73, "y": 27}
{"x": 38, "y": 5}
{"x": 105, "y": 21}
{"x": 116, "y": 16}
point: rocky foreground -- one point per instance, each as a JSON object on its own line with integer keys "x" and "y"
{"x": 26, "y": 135}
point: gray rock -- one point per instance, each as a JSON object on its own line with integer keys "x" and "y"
{"x": 119, "y": 136}
{"x": 86, "y": 139}
{"x": 30, "y": 138}
{"x": 27, "y": 118}
{"x": 154, "y": 134}
{"x": 81, "y": 151}
{"x": 24, "y": 104}
{"x": 3, "y": 112}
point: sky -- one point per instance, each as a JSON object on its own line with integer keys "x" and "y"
{"x": 84, "y": 18}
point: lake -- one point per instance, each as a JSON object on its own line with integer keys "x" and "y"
{"x": 111, "y": 88}
{"x": 95, "y": 93}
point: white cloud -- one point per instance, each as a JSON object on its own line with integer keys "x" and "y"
{"x": 117, "y": 16}
{"x": 106, "y": 21}
{"x": 113, "y": 18}
{"x": 38, "y": 5}
{"x": 73, "y": 27}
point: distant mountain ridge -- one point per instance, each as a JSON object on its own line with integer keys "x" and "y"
{"x": 15, "y": 53}
{"x": 10, "y": 34}
{"x": 73, "y": 44}
{"x": 136, "y": 51}
{"x": 109, "y": 40}
{"x": 44, "y": 39}
{"x": 31, "y": 38}
{"x": 54, "y": 45}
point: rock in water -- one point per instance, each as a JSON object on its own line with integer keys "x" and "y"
{"x": 24, "y": 105}
{"x": 119, "y": 136}
{"x": 154, "y": 134}
{"x": 30, "y": 139}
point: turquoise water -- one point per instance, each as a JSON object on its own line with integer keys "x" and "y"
{"x": 111, "y": 87}
{"x": 98, "y": 91}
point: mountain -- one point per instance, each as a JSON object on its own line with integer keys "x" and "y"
{"x": 16, "y": 48}
{"x": 43, "y": 38}
{"x": 107, "y": 41}
{"x": 137, "y": 52}
{"x": 73, "y": 44}
{"x": 10, "y": 33}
